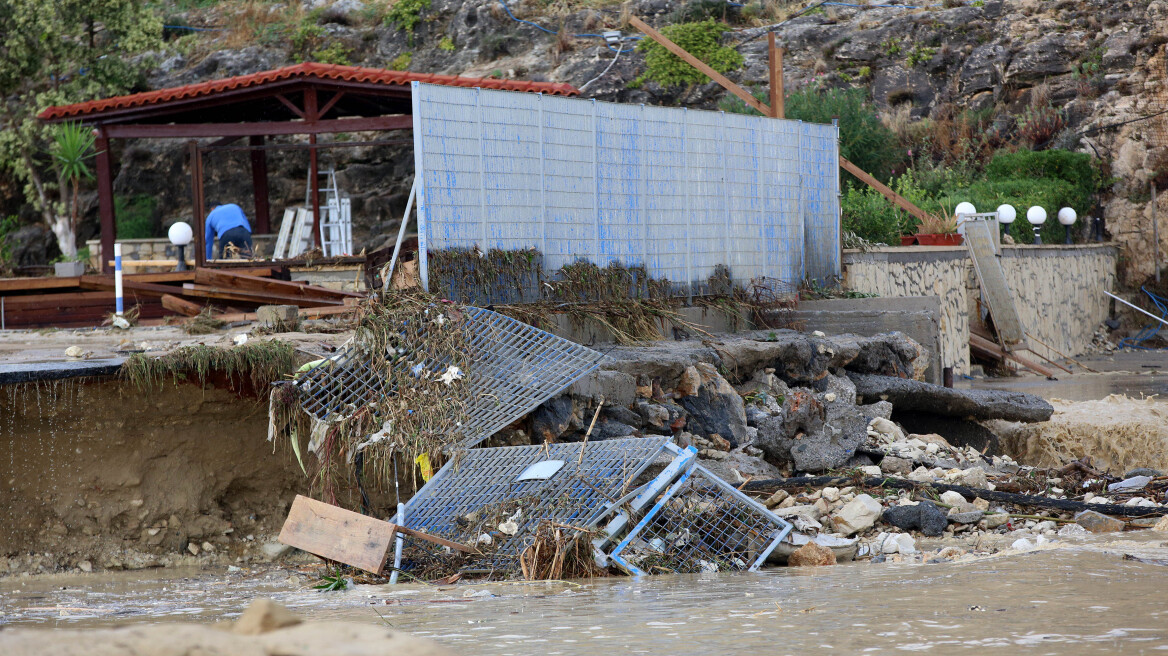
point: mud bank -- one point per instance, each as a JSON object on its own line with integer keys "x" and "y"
{"x": 100, "y": 475}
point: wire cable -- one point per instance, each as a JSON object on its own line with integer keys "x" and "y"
{"x": 606, "y": 69}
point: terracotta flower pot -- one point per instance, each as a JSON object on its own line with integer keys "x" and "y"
{"x": 908, "y": 240}
{"x": 947, "y": 239}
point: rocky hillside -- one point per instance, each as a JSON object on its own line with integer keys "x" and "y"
{"x": 954, "y": 82}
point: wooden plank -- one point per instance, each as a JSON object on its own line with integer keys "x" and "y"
{"x": 745, "y": 95}
{"x": 106, "y": 283}
{"x": 181, "y": 305}
{"x": 259, "y": 128}
{"x": 337, "y": 534}
{"x": 898, "y": 200}
{"x": 259, "y": 298}
{"x": 244, "y": 281}
{"x": 285, "y": 232}
{"x": 990, "y": 349}
{"x": 29, "y": 284}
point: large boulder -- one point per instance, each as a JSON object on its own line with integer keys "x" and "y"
{"x": 715, "y": 408}
{"x": 916, "y": 396}
{"x": 812, "y": 434}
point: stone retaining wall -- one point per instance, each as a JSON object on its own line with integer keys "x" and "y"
{"x": 160, "y": 248}
{"x": 1058, "y": 290}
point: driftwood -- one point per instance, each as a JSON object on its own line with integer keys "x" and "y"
{"x": 967, "y": 492}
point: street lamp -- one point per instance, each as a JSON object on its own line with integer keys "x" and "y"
{"x": 1067, "y": 216}
{"x": 1036, "y": 216}
{"x": 180, "y": 235}
{"x": 1006, "y": 216}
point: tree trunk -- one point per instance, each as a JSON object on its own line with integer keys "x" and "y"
{"x": 66, "y": 235}
{"x": 58, "y": 221}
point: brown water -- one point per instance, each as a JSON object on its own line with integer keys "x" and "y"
{"x": 1076, "y": 597}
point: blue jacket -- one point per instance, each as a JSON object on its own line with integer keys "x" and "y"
{"x": 220, "y": 220}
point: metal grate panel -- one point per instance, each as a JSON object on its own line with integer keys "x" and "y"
{"x": 576, "y": 495}
{"x": 513, "y": 368}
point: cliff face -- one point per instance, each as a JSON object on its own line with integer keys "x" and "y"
{"x": 1100, "y": 62}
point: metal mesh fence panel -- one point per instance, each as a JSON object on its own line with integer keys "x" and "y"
{"x": 701, "y": 524}
{"x": 591, "y": 476}
{"x": 676, "y": 190}
{"x": 513, "y": 368}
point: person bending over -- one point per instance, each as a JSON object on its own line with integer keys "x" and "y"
{"x": 229, "y": 224}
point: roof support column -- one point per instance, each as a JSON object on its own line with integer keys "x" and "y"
{"x": 259, "y": 185}
{"x": 312, "y": 115}
{"x": 105, "y": 200}
{"x": 197, "y": 205}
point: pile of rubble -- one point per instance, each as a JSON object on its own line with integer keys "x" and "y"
{"x": 905, "y": 469}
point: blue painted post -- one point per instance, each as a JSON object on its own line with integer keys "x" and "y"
{"x": 118, "y": 279}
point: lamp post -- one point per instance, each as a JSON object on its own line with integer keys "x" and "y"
{"x": 1036, "y": 216}
{"x": 1006, "y": 216}
{"x": 180, "y": 235}
{"x": 1067, "y": 217}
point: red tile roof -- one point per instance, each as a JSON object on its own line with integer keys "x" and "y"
{"x": 306, "y": 70}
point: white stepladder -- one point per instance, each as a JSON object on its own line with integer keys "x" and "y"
{"x": 336, "y": 224}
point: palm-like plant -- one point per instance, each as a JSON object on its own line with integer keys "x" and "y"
{"x": 73, "y": 145}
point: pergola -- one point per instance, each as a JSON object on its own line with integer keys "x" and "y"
{"x": 309, "y": 99}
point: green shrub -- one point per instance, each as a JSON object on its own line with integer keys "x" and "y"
{"x": 401, "y": 62}
{"x": 8, "y": 225}
{"x": 406, "y": 14}
{"x": 446, "y": 44}
{"x": 135, "y": 216}
{"x": 864, "y": 139}
{"x": 871, "y": 216}
{"x": 701, "y": 39}
{"x": 337, "y": 53}
{"x": 920, "y": 55}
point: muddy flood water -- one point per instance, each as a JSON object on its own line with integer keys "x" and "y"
{"x": 1074, "y": 597}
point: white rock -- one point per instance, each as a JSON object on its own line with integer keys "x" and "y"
{"x": 829, "y": 397}
{"x": 1160, "y": 527}
{"x": 1021, "y": 544}
{"x": 871, "y": 470}
{"x": 888, "y": 545}
{"x": 974, "y": 477}
{"x": 885, "y": 429}
{"x": 74, "y": 352}
{"x": 931, "y": 449}
{"x": 240, "y": 339}
{"x": 1046, "y": 526}
{"x": 995, "y": 520}
{"x": 857, "y": 515}
{"x": 1099, "y": 500}
{"x": 954, "y": 499}
{"x": 776, "y": 498}
{"x": 193, "y": 548}
{"x": 831, "y": 494}
{"x": 1072, "y": 530}
{"x": 921, "y": 475}
{"x": 1040, "y": 540}
{"x": 208, "y": 547}
{"x": 818, "y": 333}
{"x": 906, "y": 543}
{"x": 85, "y": 566}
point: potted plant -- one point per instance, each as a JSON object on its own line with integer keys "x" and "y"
{"x": 938, "y": 230}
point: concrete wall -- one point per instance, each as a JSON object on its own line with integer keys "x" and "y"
{"x": 160, "y": 248}
{"x": 1058, "y": 290}
{"x": 919, "y": 317}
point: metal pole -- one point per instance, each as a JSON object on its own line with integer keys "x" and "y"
{"x": 1155, "y": 234}
{"x": 1136, "y": 308}
{"x": 401, "y": 233}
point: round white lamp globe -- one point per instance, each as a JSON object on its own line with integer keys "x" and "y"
{"x": 964, "y": 208}
{"x": 1007, "y": 214}
{"x": 180, "y": 234}
{"x": 1036, "y": 215}
{"x": 1067, "y": 216}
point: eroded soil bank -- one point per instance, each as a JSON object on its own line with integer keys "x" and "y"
{"x": 99, "y": 474}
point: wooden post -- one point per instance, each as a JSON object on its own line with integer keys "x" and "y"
{"x": 197, "y": 205}
{"x": 105, "y": 200}
{"x": 311, "y": 114}
{"x": 776, "y": 65}
{"x": 898, "y": 200}
{"x": 259, "y": 185}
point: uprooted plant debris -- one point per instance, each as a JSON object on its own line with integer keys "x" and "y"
{"x": 258, "y": 363}
{"x": 624, "y": 300}
{"x": 414, "y": 348}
